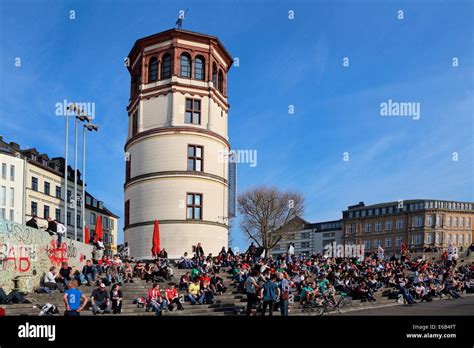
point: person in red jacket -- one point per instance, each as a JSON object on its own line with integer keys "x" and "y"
{"x": 171, "y": 297}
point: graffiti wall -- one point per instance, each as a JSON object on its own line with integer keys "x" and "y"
{"x": 27, "y": 253}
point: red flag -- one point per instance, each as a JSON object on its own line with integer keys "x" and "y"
{"x": 404, "y": 248}
{"x": 87, "y": 238}
{"x": 155, "y": 249}
{"x": 98, "y": 228}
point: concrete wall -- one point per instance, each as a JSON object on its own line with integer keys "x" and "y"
{"x": 28, "y": 253}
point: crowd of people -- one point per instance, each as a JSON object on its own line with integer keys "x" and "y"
{"x": 268, "y": 282}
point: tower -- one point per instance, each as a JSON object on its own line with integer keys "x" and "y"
{"x": 177, "y": 135}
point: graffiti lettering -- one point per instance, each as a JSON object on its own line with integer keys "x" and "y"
{"x": 18, "y": 255}
{"x": 57, "y": 255}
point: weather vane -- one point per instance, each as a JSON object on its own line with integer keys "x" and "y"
{"x": 181, "y": 16}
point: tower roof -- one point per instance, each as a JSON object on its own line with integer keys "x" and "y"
{"x": 178, "y": 33}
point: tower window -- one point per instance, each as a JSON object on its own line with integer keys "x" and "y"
{"x": 214, "y": 75}
{"x": 220, "y": 82}
{"x": 153, "y": 70}
{"x": 185, "y": 65}
{"x": 194, "y": 206}
{"x": 134, "y": 123}
{"x": 128, "y": 168}
{"x": 199, "y": 68}
{"x": 193, "y": 111}
{"x": 166, "y": 66}
{"x": 127, "y": 213}
{"x": 195, "y": 158}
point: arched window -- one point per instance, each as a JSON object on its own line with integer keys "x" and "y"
{"x": 185, "y": 65}
{"x": 165, "y": 66}
{"x": 199, "y": 68}
{"x": 214, "y": 74}
{"x": 220, "y": 82}
{"x": 153, "y": 70}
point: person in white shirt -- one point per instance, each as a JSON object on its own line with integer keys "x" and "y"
{"x": 50, "y": 279}
{"x": 60, "y": 230}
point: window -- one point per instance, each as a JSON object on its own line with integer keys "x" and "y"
{"x": 69, "y": 218}
{"x": 367, "y": 244}
{"x": 418, "y": 221}
{"x": 3, "y": 195}
{"x": 429, "y": 220}
{"x": 12, "y": 215}
{"x": 46, "y": 211}
{"x": 134, "y": 123}
{"x": 127, "y": 213}
{"x": 11, "y": 199}
{"x": 370, "y": 212}
{"x": 194, "y": 206}
{"x": 220, "y": 82}
{"x": 199, "y": 68}
{"x": 377, "y": 211}
{"x": 390, "y": 210}
{"x": 418, "y": 239}
{"x": 3, "y": 214}
{"x": 461, "y": 222}
{"x": 437, "y": 238}
{"x": 455, "y": 239}
{"x": 128, "y": 167}
{"x": 468, "y": 223}
{"x": 305, "y": 245}
{"x": 350, "y": 215}
{"x": 384, "y": 211}
{"x": 429, "y": 238}
{"x": 388, "y": 242}
{"x": 455, "y": 222}
{"x": 57, "y": 214}
{"x": 34, "y": 183}
{"x": 357, "y": 213}
{"x": 153, "y": 70}
{"x": 438, "y": 220}
{"x": 12, "y": 172}
{"x": 92, "y": 218}
{"x": 305, "y": 235}
{"x": 362, "y": 213}
{"x": 195, "y": 158}
{"x": 69, "y": 194}
{"x": 193, "y": 111}
{"x": 350, "y": 228}
{"x": 58, "y": 191}
{"x": 388, "y": 225}
{"x": 34, "y": 208}
{"x": 399, "y": 224}
{"x": 4, "y": 171}
{"x": 46, "y": 188}
{"x": 378, "y": 226}
{"x": 214, "y": 75}
{"x": 166, "y": 66}
{"x": 449, "y": 221}
{"x": 378, "y": 243}
{"x": 185, "y": 62}
{"x": 367, "y": 227}
{"x": 398, "y": 241}
{"x": 461, "y": 239}
{"x": 79, "y": 220}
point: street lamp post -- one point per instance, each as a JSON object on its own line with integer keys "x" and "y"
{"x": 90, "y": 127}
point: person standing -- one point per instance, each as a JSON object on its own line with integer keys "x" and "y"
{"x": 61, "y": 231}
{"x": 251, "y": 290}
{"x": 284, "y": 286}
{"x": 72, "y": 298}
{"x": 270, "y": 294}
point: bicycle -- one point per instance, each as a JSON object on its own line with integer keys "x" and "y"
{"x": 327, "y": 305}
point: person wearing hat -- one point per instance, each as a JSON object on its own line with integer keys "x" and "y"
{"x": 100, "y": 300}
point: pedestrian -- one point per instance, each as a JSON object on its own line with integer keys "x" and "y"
{"x": 251, "y": 287}
{"x": 61, "y": 231}
{"x": 270, "y": 293}
{"x": 52, "y": 228}
{"x": 284, "y": 286}
{"x": 72, "y": 298}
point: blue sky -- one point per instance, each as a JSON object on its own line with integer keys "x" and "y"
{"x": 282, "y": 62}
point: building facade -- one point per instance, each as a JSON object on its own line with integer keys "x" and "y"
{"x": 39, "y": 191}
{"x": 309, "y": 238}
{"x": 423, "y": 225}
{"x": 177, "y": 132}
{"x": 11, "y": 186}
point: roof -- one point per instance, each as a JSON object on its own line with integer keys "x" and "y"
{"x": 170, "y": 32}
{"x": 393, "y": 203}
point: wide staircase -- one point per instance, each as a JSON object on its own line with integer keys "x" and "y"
{"x": 230, "y": 303}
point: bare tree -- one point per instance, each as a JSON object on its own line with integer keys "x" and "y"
{"x": 265, "y": 213}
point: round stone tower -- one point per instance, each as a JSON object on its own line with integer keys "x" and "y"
{"x": 176, "y": 167}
